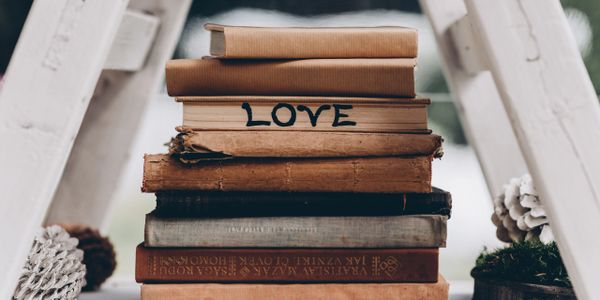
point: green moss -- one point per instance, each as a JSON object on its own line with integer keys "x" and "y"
{"x": 528, "y": 262}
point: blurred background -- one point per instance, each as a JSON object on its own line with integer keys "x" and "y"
{"x": 470, "y": 228}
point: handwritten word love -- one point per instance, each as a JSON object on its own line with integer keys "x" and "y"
{"x": 293, "y": 111}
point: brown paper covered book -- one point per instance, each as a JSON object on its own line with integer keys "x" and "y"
{"x": 194, "y": 146}
{"x": 329, "y": 291}
{"x": 345, "y": 114}
{"x": 377, "y": 77}
{"x": 373, "y": 174}
{"x": 312, "y": 42}
{"x": 285, "y": 265}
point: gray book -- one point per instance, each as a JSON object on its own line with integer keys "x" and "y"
{"x": 408, "y": 231}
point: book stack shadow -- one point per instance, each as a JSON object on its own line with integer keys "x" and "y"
{"x": 302, "y": 170}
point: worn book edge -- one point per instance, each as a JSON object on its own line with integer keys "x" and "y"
{"x": 191, "y": 146}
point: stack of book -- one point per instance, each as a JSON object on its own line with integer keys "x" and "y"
{"x": 302, "y": 170}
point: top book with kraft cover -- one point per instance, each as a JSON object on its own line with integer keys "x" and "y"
{"x": 311, "y": 42}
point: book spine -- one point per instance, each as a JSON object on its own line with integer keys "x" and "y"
{"x": 196, "y": 145}
{"x": 374, "y": 174}
{"x": 319, "y": 77}
{"x": 409, "y": 231}
{"x": 211, "y": 204}
{"x": 244, "y": 42}
{"x": 286, "y": 265}
{"x": 329, "y": 291}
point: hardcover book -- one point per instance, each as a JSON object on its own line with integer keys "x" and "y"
{"x": 215, "y": 204}
{"x": 312, "y": 42}
{"x": 285, "y": 265}
{"x": 329, "y": 291}
{"x": 191, "y": 146}
{"x": 408, "y": 231}
{"x": 400, "y": 115}
{"x": 376, "y": 77}
{"x": 370, "y": 174}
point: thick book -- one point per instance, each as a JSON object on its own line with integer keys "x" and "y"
{"x": 217, "y": 204}
{"x": 369, "y": 174}
{"x": 302, "y": 113}
{"x": 408, "y": 231}
{"x": 313, "y": 291}
{"x": 191, "y": 146}
{"x": 285, "y": 265}
{"x": 376, "y": 77}
{"x": 312, "y": 42}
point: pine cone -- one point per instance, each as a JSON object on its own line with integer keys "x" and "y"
{"x": 98, "y": 254}
{"x": 519, "y": 214}
{"x": 54, "y": 268}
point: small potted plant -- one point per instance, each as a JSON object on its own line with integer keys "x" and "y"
{"x": 531, "y": 266}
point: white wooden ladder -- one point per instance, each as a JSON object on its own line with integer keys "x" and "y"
{"x": 69, "y": 52}
{"x": 528, "y": 105}
{"x": 521, "y": 88}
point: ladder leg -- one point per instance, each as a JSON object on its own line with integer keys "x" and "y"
{"x": 109, "y": 128}
{"x": 47, "y": 89}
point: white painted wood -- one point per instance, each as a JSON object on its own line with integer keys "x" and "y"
{"x": 556, "y": 117}
{"x": 133, "y": 42}
{"x": 102, "y": 147}
{"x": 470, "y": 58}
{"x": 478, "y": 104}
{"x": 47, "y": 88}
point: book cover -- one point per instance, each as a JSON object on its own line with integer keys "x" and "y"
{"x": 191, "y": 146}
{"x": 312, "y": 42}
{"x": 407, "y": 231}
{"x": 285, "y": 265}
{"x": 217, "y": 204}
{"x": 371, "y": 174}
{"x": 312, "y": 291}
{"x": 345, "y": 114}
{"x": 377, "y": 77}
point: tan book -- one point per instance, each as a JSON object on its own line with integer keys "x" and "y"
{"x": 376, "y": 174}
{"x": 331, "y": 291}
{"x": 191, "y": 146}
{"x": 347, "y": 114}
{"x": 312, "y": 42}
{"x": 376, "y": 77}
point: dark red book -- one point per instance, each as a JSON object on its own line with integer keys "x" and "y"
{"x": 221, "y": 265}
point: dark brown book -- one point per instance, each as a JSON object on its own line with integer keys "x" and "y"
{"x": 285, "y": 265}
{"x": 372, "y": 174}
{"x": 376, "y": 77}
{"x": 217, "y": 204}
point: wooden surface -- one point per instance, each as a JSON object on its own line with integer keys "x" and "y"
{"x": 555, "y": 113}
{"x": 47, "y": 88}
{"x": 111, "y": 123}
{"x": 133, "y": 42}
{"x": 478, "y": 103}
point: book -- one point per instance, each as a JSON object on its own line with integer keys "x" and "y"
{"x": 408, "y": 231}
{"x": 345, "y": 114}
{"x": 311, "y": 42}
{"x": 191, "y": 146}
{"x": 285, "y": 265}
{"x": 376, "y": 77}
{"x": 329, "y": 291}
{"x": 369, "y": 174}
{"x": 217, "y": 204}
{"x": 313, "y": 291}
